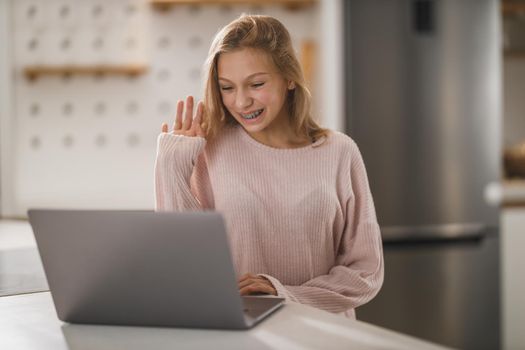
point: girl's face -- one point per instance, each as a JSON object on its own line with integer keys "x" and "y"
{"x": 252, "y": 91}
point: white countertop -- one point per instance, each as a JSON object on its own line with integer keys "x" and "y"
{"x": 506, "y": 193}
{"x": 29, "y": 321}
{"x": 20, "y": 267}
{"x": 16, "y": 234}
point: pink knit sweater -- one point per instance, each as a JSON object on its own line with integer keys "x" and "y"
{"x": 304, "y": 217}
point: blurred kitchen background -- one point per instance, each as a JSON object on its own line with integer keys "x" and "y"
{"x": 433, "y": 92}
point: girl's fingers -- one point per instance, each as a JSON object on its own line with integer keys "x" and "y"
{"x": 246, "y": 276}
{"x": 198, "y": 120}
{"x": 200, "y": 109}
{"x": 178, "y": 118}
{"x": 184, "y": 123}
{"x": 250, "y": 279}
{"x": 255, "y": 288}
{"x": 188, "y": 117}
{"x": 244, "y": 283}
{"x": 164, "y": 127}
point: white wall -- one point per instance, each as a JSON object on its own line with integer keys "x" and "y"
{"x": 331, "y": 69}
{"x": 84, "y": 142}
{"x": 6, "y": 112}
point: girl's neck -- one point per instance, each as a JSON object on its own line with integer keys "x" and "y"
{"x": 280, "y": 135}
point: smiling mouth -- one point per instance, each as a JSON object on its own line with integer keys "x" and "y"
{"x": 252, "y": 115}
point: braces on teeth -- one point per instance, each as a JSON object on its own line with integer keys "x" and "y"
{"x": 253, "y": 115}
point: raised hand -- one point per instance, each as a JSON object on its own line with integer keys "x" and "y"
{"x": 189, "y": 125}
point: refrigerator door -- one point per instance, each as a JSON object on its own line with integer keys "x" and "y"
{"x": 424, "y": 105}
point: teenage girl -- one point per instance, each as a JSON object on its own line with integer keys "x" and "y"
{"x": 295, "y": 197}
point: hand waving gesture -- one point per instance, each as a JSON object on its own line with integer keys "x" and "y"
{"x": 189, "y": 125}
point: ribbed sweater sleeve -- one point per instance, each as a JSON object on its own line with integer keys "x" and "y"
{"x": 177, "y": 183}
{"x": 357, "y": 275}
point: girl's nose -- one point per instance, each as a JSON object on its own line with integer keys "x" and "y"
{"x": 242, "y": 100}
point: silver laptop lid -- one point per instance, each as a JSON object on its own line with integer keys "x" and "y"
{"x": 139, "y": 267}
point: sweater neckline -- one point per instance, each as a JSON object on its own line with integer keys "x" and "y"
{"x": 247, "y": 137}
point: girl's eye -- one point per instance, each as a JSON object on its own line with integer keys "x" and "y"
{"x": 226, "y": 88}
{"x": 256, "y": 85}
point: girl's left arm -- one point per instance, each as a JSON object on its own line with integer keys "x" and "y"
{"x": 358, "y": 272}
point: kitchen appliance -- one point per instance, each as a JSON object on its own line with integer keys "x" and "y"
{"x": 424, "y": 106}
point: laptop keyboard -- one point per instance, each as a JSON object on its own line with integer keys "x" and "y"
{"x": 254, "y": 306}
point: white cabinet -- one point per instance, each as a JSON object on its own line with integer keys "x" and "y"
{"x": 513, "y": 276}
{"x": 511, "y": 197}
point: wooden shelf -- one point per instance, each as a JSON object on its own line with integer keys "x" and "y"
{"x": 34, "y": 72}
{"x": 289, "y": 4}
{"x": 513, "y": 8}
{"x": 514, "y": 53}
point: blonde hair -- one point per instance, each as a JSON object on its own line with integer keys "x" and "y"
{"x": 270, "y": 36}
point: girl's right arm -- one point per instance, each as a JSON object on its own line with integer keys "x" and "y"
{"x": 177, "y": 154}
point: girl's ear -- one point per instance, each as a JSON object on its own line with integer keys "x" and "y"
{"x": 291, "y": 85}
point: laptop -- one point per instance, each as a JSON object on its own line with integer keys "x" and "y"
{"x": 143, "y": 268}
